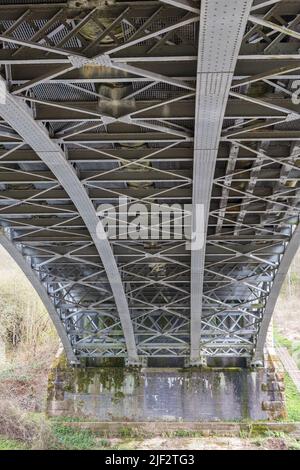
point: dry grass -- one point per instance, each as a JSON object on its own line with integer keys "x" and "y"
{"x": 18, "y": 425}
{"x": 14, "y": 424}
{"x": 24, "y": 378}
{"x": 23, "y": 319}
{"x": 30, "y": 339}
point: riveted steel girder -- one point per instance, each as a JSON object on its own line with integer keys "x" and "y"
{"x": 216, "y": 63}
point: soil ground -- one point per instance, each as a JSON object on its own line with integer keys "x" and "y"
{"x": 203, "y": 443}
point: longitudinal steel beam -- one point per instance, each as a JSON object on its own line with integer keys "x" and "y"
{"x": 18, "y": 115}
{"x": 42, "y": 293}
{"x": 217, "y": 58}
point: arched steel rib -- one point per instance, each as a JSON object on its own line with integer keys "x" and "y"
{"x": 42, "y": 293}
{"x": 18, "y": 115}
{"x": 281, "y": 273}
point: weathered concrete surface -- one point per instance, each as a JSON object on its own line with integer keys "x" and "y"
{"x": 127, "y": 394}
{"x": 180, "y": 428}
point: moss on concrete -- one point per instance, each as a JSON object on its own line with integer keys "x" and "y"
{"x": 109, "y": 378}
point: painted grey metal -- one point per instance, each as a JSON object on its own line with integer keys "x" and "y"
{"x": 276, "y": 286}
{"x": 185, "y": 4}
{"x": 42, "y": 293}
{"x": 137, "y": 141}
{"x": 17, "y": 114}
{"x": 216, "y": 63}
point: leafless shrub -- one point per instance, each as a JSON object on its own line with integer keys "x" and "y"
{"x": 14, "y": 423}
{"x": 30, "y": 339}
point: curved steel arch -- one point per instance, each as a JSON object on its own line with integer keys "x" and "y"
{"x": 42, "y": 293}
{"x": 17, "y": 114}
{"x": 281, "y": 273}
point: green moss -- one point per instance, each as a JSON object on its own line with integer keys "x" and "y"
{"x": 60, "y": 362}
{"x": 83, "y": 378}
{"x": 108, "y": 373}
{"x": 245, "y": 400}
{"x": 50, "y": 384}
{"x": 258, "y": 429}
{"x": 110, "y": 378}
{"x": 118, "y": 396}
{"x": 62, "y": 372}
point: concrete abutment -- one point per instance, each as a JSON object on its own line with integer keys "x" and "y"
{"x": 113, "y": 392}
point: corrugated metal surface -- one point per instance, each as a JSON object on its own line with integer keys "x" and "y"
{"x": 27, "y": 29}
{"x": 61, "y": 92}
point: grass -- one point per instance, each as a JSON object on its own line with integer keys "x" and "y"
{"x": 292, "y": 399}
{"x": 291, "y": 393}
{"x": 11, "y": 444}
{"x": 280, "y": 340}
{"x": 292, "y": 346}
{"x": 62, "y": 437}
{"x": 68, "y": 438}
{"x": 293, "y": 444}
{"x": 33, "y": 431}
{"x": 127, "y": 432}
{"x": 73, "y": 439}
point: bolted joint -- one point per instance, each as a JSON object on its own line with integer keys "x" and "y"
{"x": 133, "y": 362}
{"x": 257, "y": 364}
{"x": 75, "y": 363}
{"x": 77, "y": 61}
{"x": 103, "y": 60}
{"x": 79, "y": 4}
{"x": 292, "y": 117}
{"x": 108, "y": 119}
{"x": 200, "y": 361}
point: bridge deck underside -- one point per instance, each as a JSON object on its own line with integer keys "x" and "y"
{"x": 127, "y": 129}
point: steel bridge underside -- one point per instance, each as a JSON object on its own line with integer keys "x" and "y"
{"x": 141, "y": 105}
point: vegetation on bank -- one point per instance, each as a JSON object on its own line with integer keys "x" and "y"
{"x": 33, "y": 431}
{"x": 11, "y": 444}
{"x": 292, "y": 346}
{"x": 292, "y": 397}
